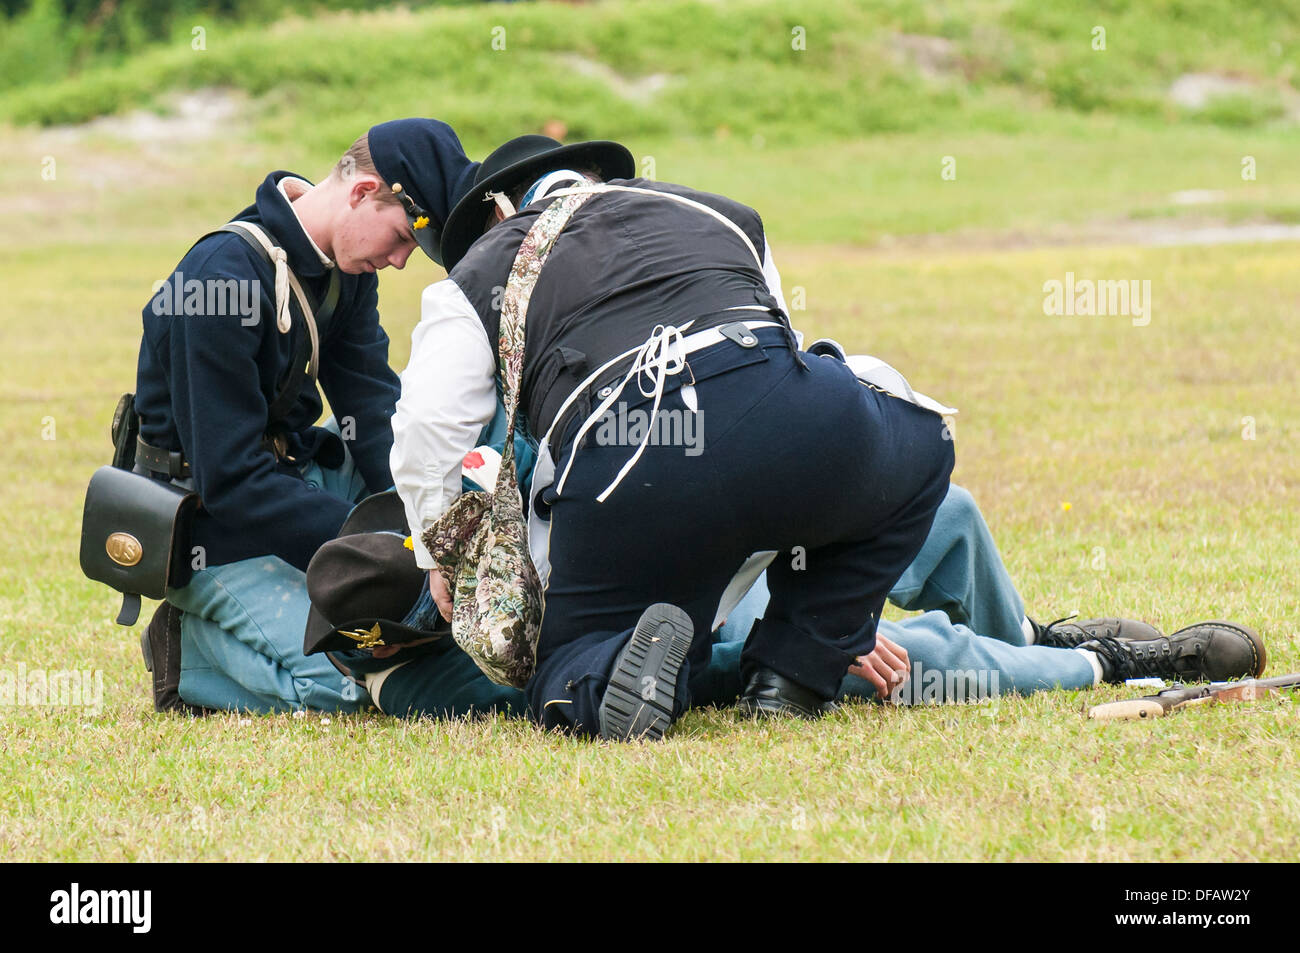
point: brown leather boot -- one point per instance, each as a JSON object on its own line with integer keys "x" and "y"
{"x": 1064, "y": 634}
{"x": 1212, "y": 651}
{"x": 160, "y": 643}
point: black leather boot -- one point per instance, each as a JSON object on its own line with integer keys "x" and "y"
{"x": 160, "y": 644}
{"x": 769, "y": 693}
{"x": 641, "y": 698}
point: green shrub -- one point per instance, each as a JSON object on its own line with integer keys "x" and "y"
{"x": 729, "y": 69}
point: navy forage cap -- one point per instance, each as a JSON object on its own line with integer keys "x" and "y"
{"x": 423, "y": 162}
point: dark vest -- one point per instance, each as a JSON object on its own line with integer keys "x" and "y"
{"x": 624, "y": 263}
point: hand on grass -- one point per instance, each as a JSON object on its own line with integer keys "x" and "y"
{"x": 886, "y": 667}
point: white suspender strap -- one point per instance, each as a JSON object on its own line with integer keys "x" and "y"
{"x": 284, "y": 280}
{"x": 591, "y": 379}
{"x": 690, "y": 344}
{"x": 604, "y": 187}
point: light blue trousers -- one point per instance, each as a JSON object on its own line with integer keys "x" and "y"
{"x": 960, "y": 584}
{"x": 958, "y": 576}
{"x": 242, "y": 632}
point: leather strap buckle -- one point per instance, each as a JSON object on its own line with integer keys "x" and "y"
{"x": 740, "y": 333}
{"x": 158, "y": 460}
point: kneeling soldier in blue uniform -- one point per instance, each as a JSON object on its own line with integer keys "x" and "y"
{"x": 656, "y": 299}
{"x": 227, "y": 400}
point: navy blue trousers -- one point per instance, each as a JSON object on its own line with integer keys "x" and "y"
{"x": 841, "y": 479}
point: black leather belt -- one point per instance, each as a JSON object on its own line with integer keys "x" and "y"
{"x": 158, "y": 460}
{"x": 173, "y": 464}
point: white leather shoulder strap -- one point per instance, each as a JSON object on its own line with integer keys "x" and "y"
{"x": 605, "y": 187}
{"x": 284, "y": 280}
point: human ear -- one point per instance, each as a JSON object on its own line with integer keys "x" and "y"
{"x": 362, "y": 186}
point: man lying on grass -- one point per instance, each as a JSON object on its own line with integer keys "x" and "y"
{"x": 971, "y": 641}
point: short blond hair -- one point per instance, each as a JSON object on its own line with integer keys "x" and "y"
{"x": 358, "y": 160}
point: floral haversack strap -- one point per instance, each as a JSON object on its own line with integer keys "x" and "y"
{"x": 480, "y": 545}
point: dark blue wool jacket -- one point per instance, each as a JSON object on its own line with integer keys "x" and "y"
{"x": 205, "y": 381}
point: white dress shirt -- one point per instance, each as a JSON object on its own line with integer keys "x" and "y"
{"x": 448, "y": 397}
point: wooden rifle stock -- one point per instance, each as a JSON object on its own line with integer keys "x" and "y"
{"x": 1176, "y": 697}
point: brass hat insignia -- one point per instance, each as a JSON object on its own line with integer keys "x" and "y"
{"x": 365, "y": 639}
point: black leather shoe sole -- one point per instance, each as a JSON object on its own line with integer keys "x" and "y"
{"x": 642, "y": 689}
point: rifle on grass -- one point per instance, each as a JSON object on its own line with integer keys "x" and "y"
{"x": 1180, "y": 696}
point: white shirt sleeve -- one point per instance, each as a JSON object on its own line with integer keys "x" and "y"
{"x": 773, "y": 279}
{"x": 448, "y": 397}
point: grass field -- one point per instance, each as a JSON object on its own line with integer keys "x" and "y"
{"x": 1142, "y": 470}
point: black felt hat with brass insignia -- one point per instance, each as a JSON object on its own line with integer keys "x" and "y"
{"x": 364, "y": 585}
